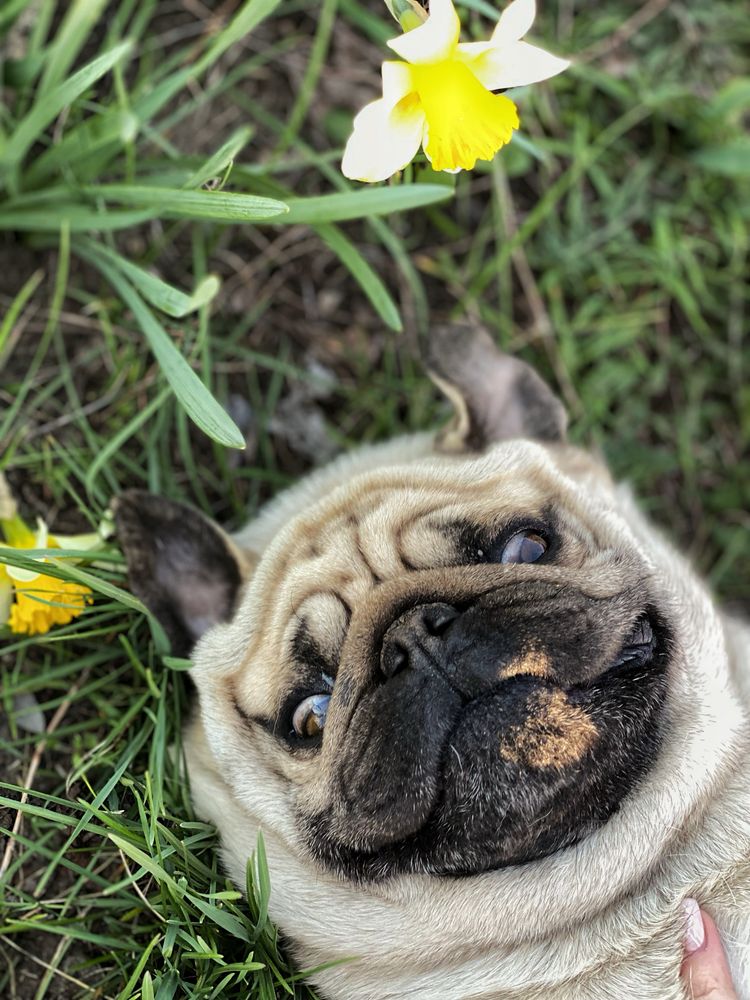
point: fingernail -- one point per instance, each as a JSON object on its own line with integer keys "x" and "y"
{"x": 694, "y": 933}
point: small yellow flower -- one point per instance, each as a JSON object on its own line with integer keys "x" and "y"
{"x": 441, "y": 97}
{"x": 31, "y": 603}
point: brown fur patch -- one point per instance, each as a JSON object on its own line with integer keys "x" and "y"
{"x": 534, "y": 662}
{"x": 556, "y": 734}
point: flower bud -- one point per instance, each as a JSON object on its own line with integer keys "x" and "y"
{"x": 409, "y": 13}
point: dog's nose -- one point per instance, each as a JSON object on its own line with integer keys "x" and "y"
{"x": 415, "y": 640}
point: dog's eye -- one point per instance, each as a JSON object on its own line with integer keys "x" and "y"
{"x": 524, "y": 547}
{"x": 310, "y": 715}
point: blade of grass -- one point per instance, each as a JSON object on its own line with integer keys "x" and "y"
{"x": 368, "y": 280}
{"x": 79, "y": 218}
{"x": 28, "y": 130}
{"x": 118, "y": 440}
{"x": 221, "y": 917}
{"x": 175, "y": 203}
{"x": 363, "y": 203}
{"x": 221, "y": 159}
{"x": 58, "y": 295}
{"x": 732, "y": 159}
{"x": 245, "y": 20}
{"x": 113, "y": 128}
{"x": 15, "y": 308}
{"x": 325, "y": 17}
{"x": 12, "y": 9}
{"x": 80, "y": 17}
{"x": 204, "y": 410}
{"x": 164, "y": 296}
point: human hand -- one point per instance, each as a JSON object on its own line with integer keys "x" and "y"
{"x": 705, "y": 970}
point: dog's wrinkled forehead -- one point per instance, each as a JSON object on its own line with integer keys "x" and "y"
{"x": 327, "y": 559}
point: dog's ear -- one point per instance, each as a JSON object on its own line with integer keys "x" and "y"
{"x": 182, "y": 566}
{"x": 495, "y": 397}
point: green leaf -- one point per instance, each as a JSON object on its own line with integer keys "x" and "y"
{"x": 117, "y": 440}
{"x": 79, "y": 218}
{"x": 80, "y": 18}
{"x": 147, "y": 986}
{"x": 731, "y": 159}
{"x": 202, "y": 408}
{"x": 149, "y": 864}
{"x": 114, "y": 124}
{"x": 245, "y": 21}
{"x": 62, "y": 570}
{"x": 178, "y": 663}
{"x": 221, "y": 159}
{"x": 14, "y": 309}
{"x": 75, "y": 932}
{"x": 219, "y": 916}
{"x": 11, "y": 10}
{"x": 43, "y": 111}
{"x": 368, "y": 280}
{"x": 222, "y": 206}
{"x": 262, "y": 882}
{"x": 159, "y": 293}
{"x": 147, "y": 991}
{"x": 112, "y": 128}
{"x": 732, "y": 100}
{"x": 307, "y": 88}
{"x": 363, "y": 203}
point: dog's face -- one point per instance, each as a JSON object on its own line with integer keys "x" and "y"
{"x": 447, "y": 658}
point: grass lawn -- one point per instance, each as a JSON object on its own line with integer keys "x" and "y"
{"x": 608, "y": 244}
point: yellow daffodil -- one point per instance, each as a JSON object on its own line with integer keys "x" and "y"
{"x": 32, "y": 602}
{"x": 441, "y": 96}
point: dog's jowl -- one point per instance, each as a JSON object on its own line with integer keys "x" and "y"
{"x": 491, "y": 724}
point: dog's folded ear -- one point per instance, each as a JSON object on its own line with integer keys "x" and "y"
{"x": 495, "y": 397}
{"x": 182, "y": 566}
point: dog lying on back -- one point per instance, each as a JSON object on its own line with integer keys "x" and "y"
{"x": 492, "y": 726}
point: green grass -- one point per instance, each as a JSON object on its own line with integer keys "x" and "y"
{"x": 608, "y": 245}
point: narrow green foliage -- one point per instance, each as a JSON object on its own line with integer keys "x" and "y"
{"x": 80, "y": 18}
{"x": 608, "y": 244}
{"x": 159, "y": 293}
{"x": 16, "y": 307}
{"x": 199, "y": 404}
{"x": 29, "y": 129}
{"x": 367, "y": 279}
{"x": 221, "y": 206}
{"x": 367, "y": 203}
{"x": 85, "y": 150}
{"x": 220, "y": 161}
{"x": 732, "y": 159}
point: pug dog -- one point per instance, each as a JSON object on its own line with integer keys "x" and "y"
{"x": 491, "y": 725}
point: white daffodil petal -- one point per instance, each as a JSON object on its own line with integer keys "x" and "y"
{"x": 434, "y": 40}
{"x": 6, "y": 596}
{"x": 42, "y": 534}
{"x": 384, "y": 140}
{"x": 22, "y": 575}
{"x": 8, "y": 508}
{"x": 466, "y": 51}
{"x": 515, "y": 66}
{"x": 87, "y": 541}
{"x": 396, "y": 82}
{"x": 515, "y": 21}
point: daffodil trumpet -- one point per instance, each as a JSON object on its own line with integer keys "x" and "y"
{"x": 32, "y": 601}
{"x": 441, "y": 96}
